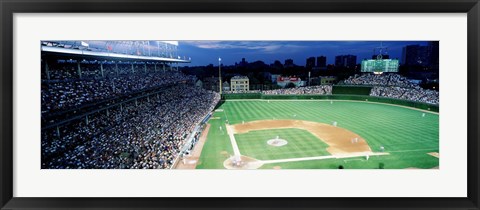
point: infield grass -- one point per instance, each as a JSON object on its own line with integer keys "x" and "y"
{"x": 301, "y": 143}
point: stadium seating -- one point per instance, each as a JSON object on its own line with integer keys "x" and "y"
{"x": 147, "y": 132}
{"x": 394, "y": 86}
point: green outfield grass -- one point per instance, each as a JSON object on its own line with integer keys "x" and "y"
{"x": 403, "y": 132}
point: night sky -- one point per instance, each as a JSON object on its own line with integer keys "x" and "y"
{"x": 207, "y": 52}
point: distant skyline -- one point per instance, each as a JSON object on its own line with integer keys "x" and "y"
{"x": 208, "y": 52}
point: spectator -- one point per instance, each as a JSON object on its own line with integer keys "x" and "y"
{"x": 310, "y": 90}
{"x": 147, "y": 133}
{"x": 394, "y": 86}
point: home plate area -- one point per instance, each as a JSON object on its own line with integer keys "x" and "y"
{"x": 289, "y": 138}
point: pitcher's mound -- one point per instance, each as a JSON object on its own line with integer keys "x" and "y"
{"x": 244, "y": 163}
{"x": 277, "y": 142}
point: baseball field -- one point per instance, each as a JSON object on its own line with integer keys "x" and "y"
{"x": 318, "y": 134}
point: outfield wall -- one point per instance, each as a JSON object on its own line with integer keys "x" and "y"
{"x": 414, "y": 104}
{"x": 351, "y": 90}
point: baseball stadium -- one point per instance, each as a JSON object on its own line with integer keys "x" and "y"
{"x": 128, "y": 105}
{"x": 320, "y": 132}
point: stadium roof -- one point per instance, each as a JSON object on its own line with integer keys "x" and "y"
{"x": 110, "y": 54}
{"x": 170, "y": 42}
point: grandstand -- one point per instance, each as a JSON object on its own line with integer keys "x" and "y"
{"x": 117, "y": 104}
{"x": 387, "y": 85}
{"x": 391, "y": 85}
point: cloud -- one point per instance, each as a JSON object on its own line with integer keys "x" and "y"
{"x": 261, "y": 46}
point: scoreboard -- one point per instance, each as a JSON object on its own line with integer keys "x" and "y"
{"x": 380, "y": 65}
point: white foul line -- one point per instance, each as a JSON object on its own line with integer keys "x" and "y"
{"x": 236, "y": 151}
{"x": 322, "y": 157}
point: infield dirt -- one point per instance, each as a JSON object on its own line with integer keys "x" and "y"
{"x": 341, "y": 141}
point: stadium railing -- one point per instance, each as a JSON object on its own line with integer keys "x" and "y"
{"x": 190, "y": 142}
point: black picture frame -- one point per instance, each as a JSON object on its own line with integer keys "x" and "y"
{"x": 10, "y": 7}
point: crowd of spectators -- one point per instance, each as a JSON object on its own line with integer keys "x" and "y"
{"x": 68, "y": 94}
{"x": 242, "y": 91}
{"x": 147, "y": 133}
{"x": 309, "y": 90}
{"x": 384, "y": 85}
{"x": 143, "y": 130}
{"x": 394, "y": 80}
{"x": 394, "y": 86}
{"x": 412, "y": 94}
{"x": 68, "y": 70}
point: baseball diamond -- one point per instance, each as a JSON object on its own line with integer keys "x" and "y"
{"x": 367, "y": 135}
{"x": 143, "y": 104}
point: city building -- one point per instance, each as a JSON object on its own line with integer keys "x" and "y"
{"x": 239, "y": 83}
{"x": 225, "y": 86}
{"x": 277, "y": 64}
{"x": 283, "y": 81}
{"x": 322, "y": 62}
{"x": 243, "y": 63}
{"x": 434, "y": 54}
{"x": 415, "y": 55}
{"x": 288, "y": 63}
{"x": 274, "y": 78}
{"x": 211, "y": 83}
{"x": 348, "y": 61}
{"x": 310, "y": 63}
{"x": 421, "y": 61}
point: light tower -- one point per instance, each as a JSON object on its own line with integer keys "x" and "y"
{"x": 220, "y": 75}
